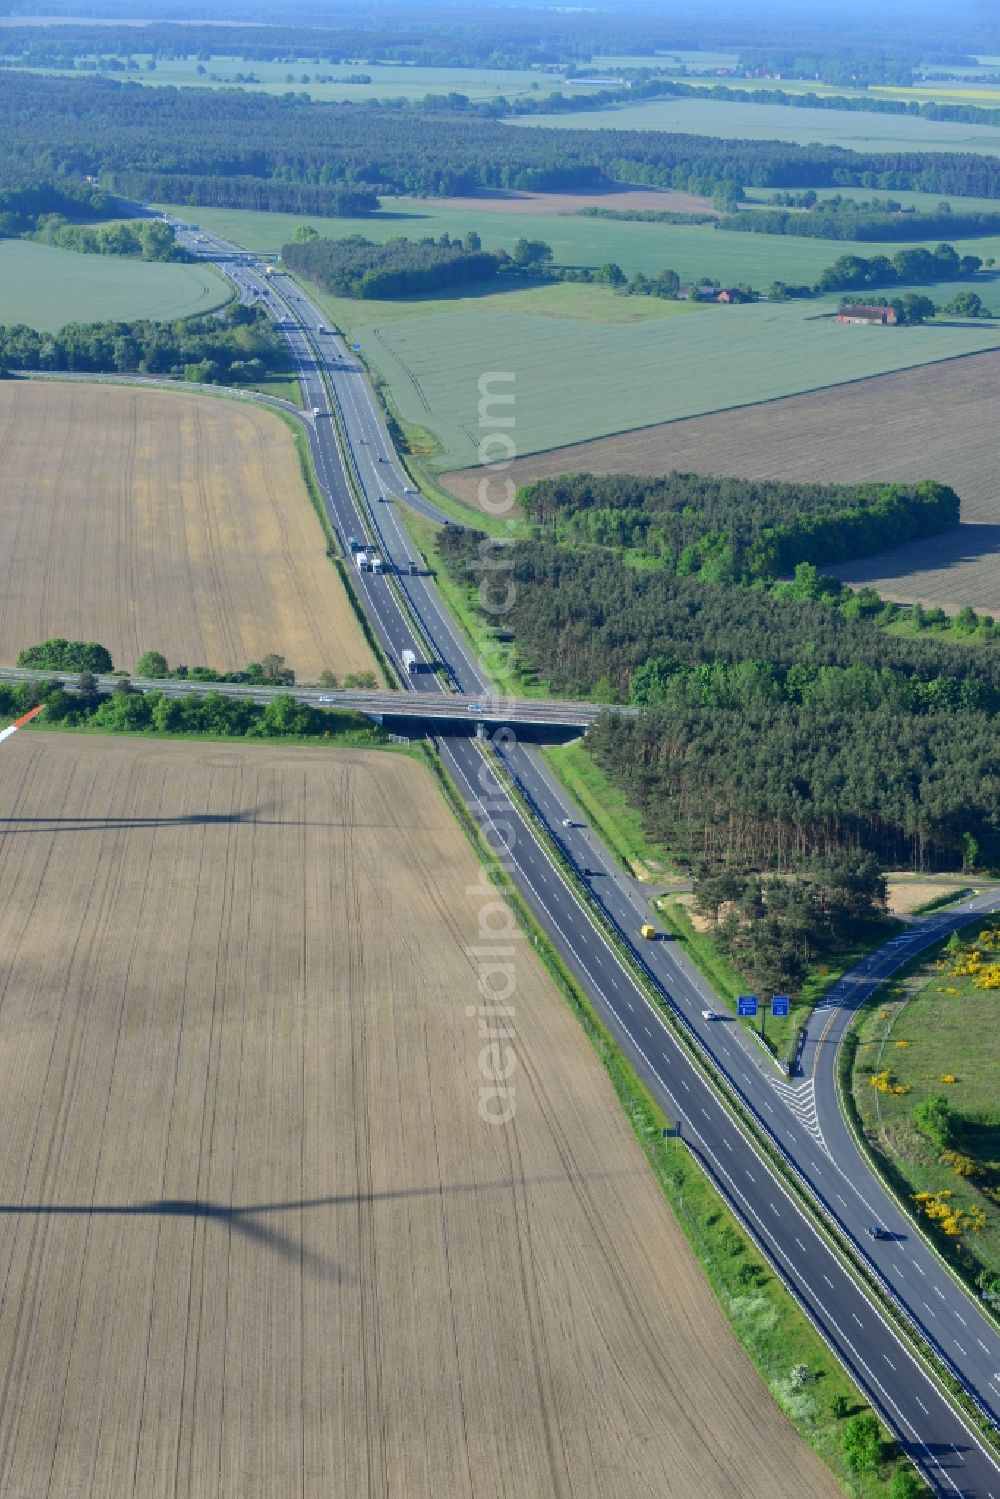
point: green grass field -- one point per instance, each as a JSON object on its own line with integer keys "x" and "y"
{"x": 302, "y": 76}
{"x": 567, "y": 300}
{"x": 46, "y": 288}
{"x": 692, "y": 251}
{"x": 931, "y": 1026}
{"x": 858, "y": 131}
{"x": 581, "y": 379}
{"x": 925, "y": 201}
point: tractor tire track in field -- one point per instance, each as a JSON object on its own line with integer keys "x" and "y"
{"x": 167, "y": 521}
{"x": 255, "y": 1237}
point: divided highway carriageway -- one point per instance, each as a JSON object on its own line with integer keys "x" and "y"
{"x": 592, "y": 911}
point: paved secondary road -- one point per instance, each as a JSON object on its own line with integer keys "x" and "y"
{"x": 407, "y": 613}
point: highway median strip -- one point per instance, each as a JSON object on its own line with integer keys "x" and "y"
{"x": 762, "y": 1308}
{"x": 756, "y": 1128}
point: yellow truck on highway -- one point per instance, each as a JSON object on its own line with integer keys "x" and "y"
{"x": 648, "y": 931}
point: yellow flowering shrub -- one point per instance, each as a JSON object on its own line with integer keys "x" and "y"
{"x": 951, "y": 1219}
{"x": 962, "y": 1165}
{"x": 884, "y": 1082}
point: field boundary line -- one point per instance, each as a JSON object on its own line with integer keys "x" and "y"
{"x": 814, "y": 390}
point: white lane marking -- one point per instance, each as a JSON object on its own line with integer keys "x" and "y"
{"x": 960, "y": 1349}
{"x": 961, "y": 1319}
{"x": 777, "y": 1249}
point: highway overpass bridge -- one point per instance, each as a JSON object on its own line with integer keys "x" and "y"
{"x": 419, "y": 711}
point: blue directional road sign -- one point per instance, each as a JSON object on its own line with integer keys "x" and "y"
{"x": 356, "y": 348}
{"x": 780, "y": 1005}
{"x": 746, "y": 1004}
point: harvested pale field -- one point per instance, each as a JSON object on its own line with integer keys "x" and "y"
{"x": 255, "y": 1238}
{"x": 907, "y": 892}
{"x": 661, "y": 200}
{"x": 149, "y": 520}
{"x": 936, "y": 422}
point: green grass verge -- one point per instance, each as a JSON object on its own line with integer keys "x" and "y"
{"x": 495, "y": 656}
{"x": 607, "y": 808}
{"x": 763, "y": 1315}
{"x": 925, "y": 1026}
{"x": 284, "y": 388}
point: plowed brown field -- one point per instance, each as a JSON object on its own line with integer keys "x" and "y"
{"x": 153, "y": 521}
{"x": 938, "y": 422}
{"x": 255, "y": 1240}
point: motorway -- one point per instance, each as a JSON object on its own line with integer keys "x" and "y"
{"x": 799, "y": 1113}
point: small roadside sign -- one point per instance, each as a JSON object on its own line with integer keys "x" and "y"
{"x": 780, "y": 1005}
{"x": 356, "y": 348}
{"x": 746, "y": 1005}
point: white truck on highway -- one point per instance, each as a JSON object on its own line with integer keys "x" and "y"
{"x": 378, "y": 564}
{"x": 410, "y": 661}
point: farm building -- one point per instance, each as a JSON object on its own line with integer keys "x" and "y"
{"x": 876, "y": 315}
{"x": 733, "y": 294}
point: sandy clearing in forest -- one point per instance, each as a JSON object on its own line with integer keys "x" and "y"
{"x": 149, "y": 520}
{"x": 256, "y": 1240}
{"x": 934, "y": 422}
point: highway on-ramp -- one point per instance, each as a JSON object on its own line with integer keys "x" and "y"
{"x": 407, "y": 613}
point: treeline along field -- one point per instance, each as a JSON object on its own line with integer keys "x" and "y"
{"x": 732, "y": 529}
{"x": 355, "y": 267}
{"x": 240, "y": 344}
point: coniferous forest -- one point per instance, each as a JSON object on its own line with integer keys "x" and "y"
{"x": 781, "y": 719}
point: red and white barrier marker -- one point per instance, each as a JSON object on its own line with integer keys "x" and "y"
{"x": 26, "y": 718}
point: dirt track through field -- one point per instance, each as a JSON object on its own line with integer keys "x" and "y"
{"x": 149, "y": 520}
{"x": 255, "y": 1239}
{"x": 937, "y": 422}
